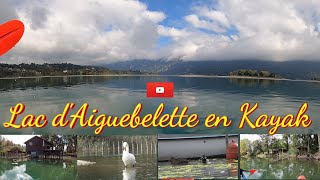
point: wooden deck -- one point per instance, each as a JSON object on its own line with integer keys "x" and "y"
{"x": 52, "y": 154}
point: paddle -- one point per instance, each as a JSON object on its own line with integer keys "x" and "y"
{"x": 10, "y": 34}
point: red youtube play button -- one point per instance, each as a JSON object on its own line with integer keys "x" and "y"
{"x": 160, "y": 89}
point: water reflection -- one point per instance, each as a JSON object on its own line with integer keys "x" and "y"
{"x": 275, "y": 168}
{"x": 214, "y": 168}
{"x": 246, "y": 82}
{"x": 17, "y": 172}
{"x": 117, "y": 95}
{"x": 39, "y": 170}
{"x": 129, "y": 173}
{"x": 112, "y": 167}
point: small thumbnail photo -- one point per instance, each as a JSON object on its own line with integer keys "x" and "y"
{"x": 196, "y": 156}
{"x": 280, "y": 156}
{"x": 117, "y": 157}
{"x": 40, "y": 157}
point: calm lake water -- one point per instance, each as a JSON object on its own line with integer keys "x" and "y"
{"x": 38, "y": 170}
{"x": 117, "y": 95}
{"x": 214, "y": 168}
{"x": 273, "y": 168}
{"x": 112, "y": 168}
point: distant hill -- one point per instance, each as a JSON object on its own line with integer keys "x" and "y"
{"x": 58, "y": 69}
{"x": 289, "y": 69}
{"x": 158, "y": 67}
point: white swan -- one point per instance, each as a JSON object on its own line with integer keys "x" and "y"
{"x": 128, "y": 159}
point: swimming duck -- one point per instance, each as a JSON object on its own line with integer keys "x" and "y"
{"x": 128, "y": 159}
{"x": 175, "y": 161}
{"x": 204, "y": 159}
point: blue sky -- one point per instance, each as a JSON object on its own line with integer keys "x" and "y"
{"x": 175, "y": 13}
{"x": 99, "y": 31}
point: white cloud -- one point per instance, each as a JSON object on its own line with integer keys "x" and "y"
{"x": 203, "y": 24}
{"x": 173, "y": 32}
{"x": 97, "y": 31}
{"x": 7, "y": 12}
{"x": 154, "y": 16}
{"x": 208, "y": 19}
{"x": 267, "y": 30}
{"x": 86, "y": 32}
{"x": 214, "y": 15}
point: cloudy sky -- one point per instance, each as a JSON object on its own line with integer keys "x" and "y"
{"x": 18, "y": 139}
{"x": 104, "y": 31}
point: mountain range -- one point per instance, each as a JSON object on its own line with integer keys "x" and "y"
{"x": 288, "y": 69}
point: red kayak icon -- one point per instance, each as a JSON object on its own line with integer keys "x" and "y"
{"x": 10, "y": 34}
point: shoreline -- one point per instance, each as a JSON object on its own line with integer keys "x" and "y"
{"x": 313, "y": 157}
{"x": 155, "y": 75}
{"x": 64, "y": 157}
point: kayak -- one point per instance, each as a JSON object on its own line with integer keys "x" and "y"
{"x": 243, "y": 176}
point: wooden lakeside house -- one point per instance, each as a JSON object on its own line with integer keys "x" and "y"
{"x": 38, "y": 147}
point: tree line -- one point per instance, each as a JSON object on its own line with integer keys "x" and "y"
{"x": 316, "y": 78}
{"x": 7, "y": 145}
{"x": 97, "y": 145}
{"x": 292, "y": 144}
{"x": 253, "y": 73}
{"x": 57, "y": 69}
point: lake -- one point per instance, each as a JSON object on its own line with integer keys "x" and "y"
{"x": 117, "y": 95}
{"x": 214, "y": 168}
{"x": 38, "y": 170}
{"x": 112, "y": 168}
{"x": 273, "y": 168}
